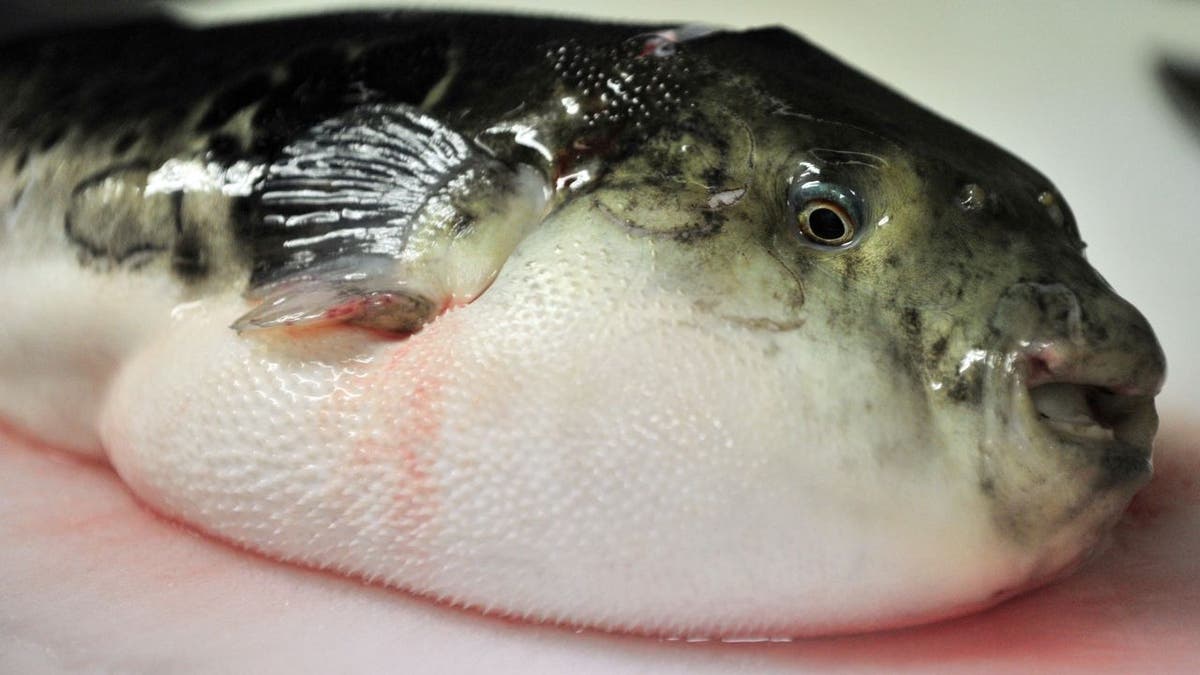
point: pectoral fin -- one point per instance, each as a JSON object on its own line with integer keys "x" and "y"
{"x": 366, "y": 297}
{"x": 383, "y": 217}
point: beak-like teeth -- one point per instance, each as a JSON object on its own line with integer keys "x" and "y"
{"x": 1096, "y": 413}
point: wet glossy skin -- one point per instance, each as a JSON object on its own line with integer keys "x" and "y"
{"x": 673, "y": 275}
{"x": 972, "y": 271}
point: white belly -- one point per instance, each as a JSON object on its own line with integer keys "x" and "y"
{"x": 559, "y": 450}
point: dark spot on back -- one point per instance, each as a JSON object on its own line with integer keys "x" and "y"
{"x": 246, "y": 215}
{"x": 713, "y": 220}
{"x": 849, "y": 269}
{"x": 315, "y": 89}
{"x": 968, "y": 388}
{"x": 22, "y": 159}
{"x": 124, "y": 142}
{"x": 937, "y": 350}
{"x": 404, "y": 71}
{"x": 188, "y": 257}
{"x": 910, "y": 318}
{"x": 714, "y": 177}
{"x": 225, "y": 147}
{"x": 111, "y": 221}
{"x": 463, "y": 222}
{"x": 233, "y": 99}
{"x": 662, "y": 158}
{"x": 987, "y": 485}
{"x": 1040, "y": 299}
{"x": 53, "y": 137}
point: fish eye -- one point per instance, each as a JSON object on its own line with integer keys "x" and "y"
{"x": 828, "y": 215}
{"x": 826, "y": 223}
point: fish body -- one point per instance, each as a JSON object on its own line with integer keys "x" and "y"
{"x": 668, "y": 331}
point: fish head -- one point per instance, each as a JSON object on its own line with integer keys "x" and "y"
{"x": 913, "y": 300}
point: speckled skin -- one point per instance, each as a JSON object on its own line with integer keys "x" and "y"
{"x": 668, "y": 414}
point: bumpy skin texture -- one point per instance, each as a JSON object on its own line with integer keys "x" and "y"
{"x": 669, "y": 413}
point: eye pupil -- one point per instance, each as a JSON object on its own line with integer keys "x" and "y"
{"x": 826, "y": 214}
{"x": 826, "y": 224}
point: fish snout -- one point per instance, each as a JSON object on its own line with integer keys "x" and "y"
{"x": 1100, "y": 341}
{"x": 1091, "y": 366}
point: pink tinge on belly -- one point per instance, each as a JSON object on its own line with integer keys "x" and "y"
{"x": 399, "y": 402}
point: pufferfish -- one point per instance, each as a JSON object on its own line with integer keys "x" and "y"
{"x": 676, "y": 332}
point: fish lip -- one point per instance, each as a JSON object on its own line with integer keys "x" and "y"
{"x": 1114, "y": 423}
{"x": 1045, "y": 363}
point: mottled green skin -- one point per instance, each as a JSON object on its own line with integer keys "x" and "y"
{"x": 933, "y": 282}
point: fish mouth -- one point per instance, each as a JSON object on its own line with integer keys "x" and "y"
{"x": 1114, "y": 425}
